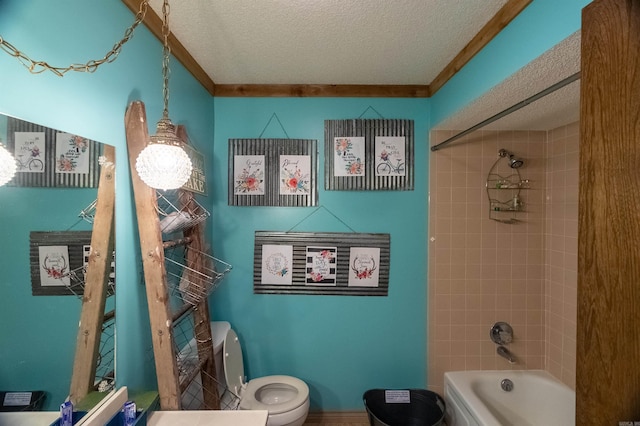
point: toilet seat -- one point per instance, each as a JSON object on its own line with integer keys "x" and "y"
{"x": 250, "y": 402}
{"x": 235, "y": 380}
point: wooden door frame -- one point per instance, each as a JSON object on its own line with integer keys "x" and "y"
{"x": 608, "y": 335}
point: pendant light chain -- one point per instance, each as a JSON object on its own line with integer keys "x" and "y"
{"x": 166, "y": 53}
{"x": 37, "y": 67}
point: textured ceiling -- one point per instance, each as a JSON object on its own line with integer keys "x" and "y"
{"x": 402, "y": 42}
{"x": 377, "y": 42}
{"x": 554, "y": 110}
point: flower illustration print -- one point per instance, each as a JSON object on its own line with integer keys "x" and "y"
{"x": 316, "y": 277}
{"x": 249, "y": 181}
{"x": 326, "y": 254}
{"x": 81, "y": 144}
{"x": 343, "y": 145}
{"x": 354, "y": 168}
{"x": 65, "y": 164}
{"x": 294, "y": 181}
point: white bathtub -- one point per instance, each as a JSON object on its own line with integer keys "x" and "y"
{"x": 476, "y": 398}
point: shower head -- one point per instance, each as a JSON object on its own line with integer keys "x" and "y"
{"x": 514, "y": 162}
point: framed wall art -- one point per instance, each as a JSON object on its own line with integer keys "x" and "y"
{"x": 355, "y": 264}
{"x": 369, "y": 154}
{"x": 51, "y": 158}
{"x": 57, "y": 262}
{"x": 273, "y": 172}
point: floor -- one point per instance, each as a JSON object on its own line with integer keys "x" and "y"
{"x": 337, "y": 419}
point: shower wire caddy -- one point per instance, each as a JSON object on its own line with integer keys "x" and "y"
{"x": 504, "y": 185}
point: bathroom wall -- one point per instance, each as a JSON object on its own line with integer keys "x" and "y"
{"x": 340, "y": 345}
{"x": 93, "y": 105}
{"x": 561, "y": 240}
{"x": 482, "y": 271}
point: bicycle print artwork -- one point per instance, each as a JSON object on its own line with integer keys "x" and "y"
{"x": 390, "y": 156}
{"x": 30, "y": 152}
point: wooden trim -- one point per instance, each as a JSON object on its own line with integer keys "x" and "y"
{"x": 154, "y": 23}
{"x": 501, "y": 19}
{"x": 322, "y": 90}
{"x": 337, "y": 417}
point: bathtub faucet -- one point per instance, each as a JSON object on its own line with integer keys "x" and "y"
{"x": 504, "y": 353}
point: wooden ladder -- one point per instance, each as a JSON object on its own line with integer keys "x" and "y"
{"x": 171, "y": 383}
{"x": 92, "y": 316}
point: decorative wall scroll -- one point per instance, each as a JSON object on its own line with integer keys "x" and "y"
{"x": 369, "y": 154}
{"x": 50, "y": 158}
{"x": 53, "y": 257}
{"x": 321, "y": 263}
{"x": 273, "y": 172}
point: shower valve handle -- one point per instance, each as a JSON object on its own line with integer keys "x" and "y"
{"x": 501, "y": 333}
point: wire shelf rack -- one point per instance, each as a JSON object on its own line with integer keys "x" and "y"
{"x": 89, "y": 212}
{"x": 195, "y": 396}
{"x": 105, "y": 368}
{"x": 179, "y": 210}
{"x": 77, "y": 281}
{"x": 193, "y": 275}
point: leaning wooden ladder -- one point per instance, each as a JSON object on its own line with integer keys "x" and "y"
{"x": 94, "y": 296}
{"x": 173, "y": 378}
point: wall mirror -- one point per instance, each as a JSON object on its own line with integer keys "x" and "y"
{"x": 47, "y": 217}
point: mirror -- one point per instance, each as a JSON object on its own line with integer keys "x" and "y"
{"x": 47, "y": 219}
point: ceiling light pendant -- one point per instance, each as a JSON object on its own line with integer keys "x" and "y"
{"x": 163, "y": 163}
{"x": 7, "y": 165}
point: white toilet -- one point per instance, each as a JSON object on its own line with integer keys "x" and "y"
{"x": 285, "y": 397}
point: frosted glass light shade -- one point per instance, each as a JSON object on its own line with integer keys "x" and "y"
{"x": 7, "y": 165}
{"x": 163, "y": 166}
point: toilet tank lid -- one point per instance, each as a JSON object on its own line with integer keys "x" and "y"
{"x": 218, "y": 333}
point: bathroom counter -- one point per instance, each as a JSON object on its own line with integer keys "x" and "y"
{"x": 28, "y": 418}
{"x": 210, "y": 417}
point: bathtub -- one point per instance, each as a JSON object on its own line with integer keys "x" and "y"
{"x": 476, "y": 398}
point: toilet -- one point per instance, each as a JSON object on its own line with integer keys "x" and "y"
{"x": 286, "y": 398}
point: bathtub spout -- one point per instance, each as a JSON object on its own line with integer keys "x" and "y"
{"x": 504, "y": 353}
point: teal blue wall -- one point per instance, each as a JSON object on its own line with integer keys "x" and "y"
{"x": 92, "y": 105}
{"x": 539, "y": 27}
{"x": 35, "y": 329}
{"x": 340, "y": 345}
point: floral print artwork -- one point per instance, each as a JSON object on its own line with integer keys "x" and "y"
{"x": 364, "y": 263}
{"x": 321, "y": 265}
{"x": 276, "y": 264}
{"x": 295, "y": 172}
{"x": 72, "y": 153}
{"x": 248, "y": 174}
{"x": 348, "y": 156}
